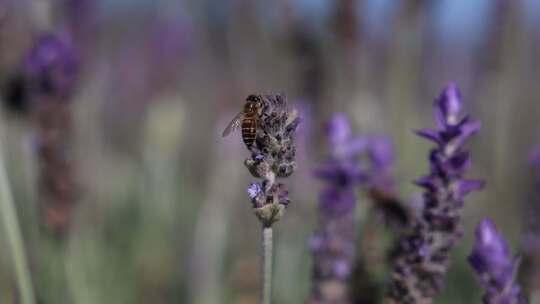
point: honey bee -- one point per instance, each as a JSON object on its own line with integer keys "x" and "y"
{"x": 248, "y": 119}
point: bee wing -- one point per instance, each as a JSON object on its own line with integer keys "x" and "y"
{"x": 234, "y": 124}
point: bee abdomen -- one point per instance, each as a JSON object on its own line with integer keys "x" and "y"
{"x": 249, "y": 131}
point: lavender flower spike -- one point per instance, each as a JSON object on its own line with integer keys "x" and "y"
{"x": 423, "y": 256}
{"x": 333, "y": 245}
{"x": 272, "y": 156}
{"x": 494, "y": 266}
{"x": 50, "y": 76}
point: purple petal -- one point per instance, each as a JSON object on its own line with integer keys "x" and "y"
{"x": 466, "y": 130}
{"x": 342, "y": 269}
{"x": 488, "y": 238}
{"x": 381, "y": 152}
{"x": 429, "y": 134}
{"x": 53, "y": 60}
{"x": 470, "y": 128}
{"x": 458, "y": 163}
{"x": 337, "y": 202}
{"x": 340, "y": 174}
{"x": 351, "y": 148}
{"x": 338, "y": 130}
{"x": 315, "y": 243}
{"x": 491, "y": 256}
{"x": 254, "y": 190}
{"x": 427, "y": 182}
{"x": 448, "y": 106}
{"x": 467, "y": 186}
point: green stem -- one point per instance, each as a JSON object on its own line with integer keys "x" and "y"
{"x": 14, "y": 238}
{"x": 266, "y": 280}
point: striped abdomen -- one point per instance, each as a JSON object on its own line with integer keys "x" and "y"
{"x": 249, "y": 130}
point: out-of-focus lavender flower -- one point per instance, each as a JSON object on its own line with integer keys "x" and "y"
{"x": 381, "y": 183}
{"x": 381, "y": 156}
{"x": 530, "y": 240}
{"x": 423, "y": 256}
{"x": 494, "y": 266}
{"x": 272, "y": 156}
{"x": 51, "y": 66}
{"x": 333, "y": 245}
{"x": 50, "y": 75}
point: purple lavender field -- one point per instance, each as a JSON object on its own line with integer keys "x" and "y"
{"x": 250, "y": 151}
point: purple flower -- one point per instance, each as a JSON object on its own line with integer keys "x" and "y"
{"x": 333, "y": 244}
{"x": 530, "y": 239}
{"x": 381, "y": 157}
{"x": 254, "y": 190}
{"x": 387, "y": 205}
{"x": 50, "y": 71}
{"x": 272, "y": 156}
{"x": 51, "y": 65}
{"x": 494, "y": 265}
{"x": 423, "y": 255}
{"x": 341, "y": 142}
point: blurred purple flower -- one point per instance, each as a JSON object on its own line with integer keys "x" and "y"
{"x": 494, "y": 265}
{"x": 534, "y": 158}
{"x": 387, "y": 205}
{"x": 530, "y": 239}
{"x": 50, "y": 72}
{"x": 51, "y": 65}
{"x": 423, "y": 256}
{"x": 333, "y": 245}
{"x": 381, "y": 157}
{"x": 341, "y": 142}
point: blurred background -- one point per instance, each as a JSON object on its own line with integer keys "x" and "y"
{"x": 162, "y": 214}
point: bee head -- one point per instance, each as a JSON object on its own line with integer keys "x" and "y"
{"x": 254, "y": 98}
{"x": 254, "y": 102}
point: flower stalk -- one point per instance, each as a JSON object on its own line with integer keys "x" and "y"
{"x": 15, "y": 239}
{"x": 266, "y": 282}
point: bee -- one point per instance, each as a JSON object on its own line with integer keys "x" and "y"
{"x": 248, "y": 119}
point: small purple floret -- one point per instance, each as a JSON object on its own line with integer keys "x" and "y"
{"x": 51, "y": 65}
{"x": 340, "y": 140}
{"x": 254, "y": 190}
{"x": 381, "y": 157}
{"x": 494, "y": 265}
